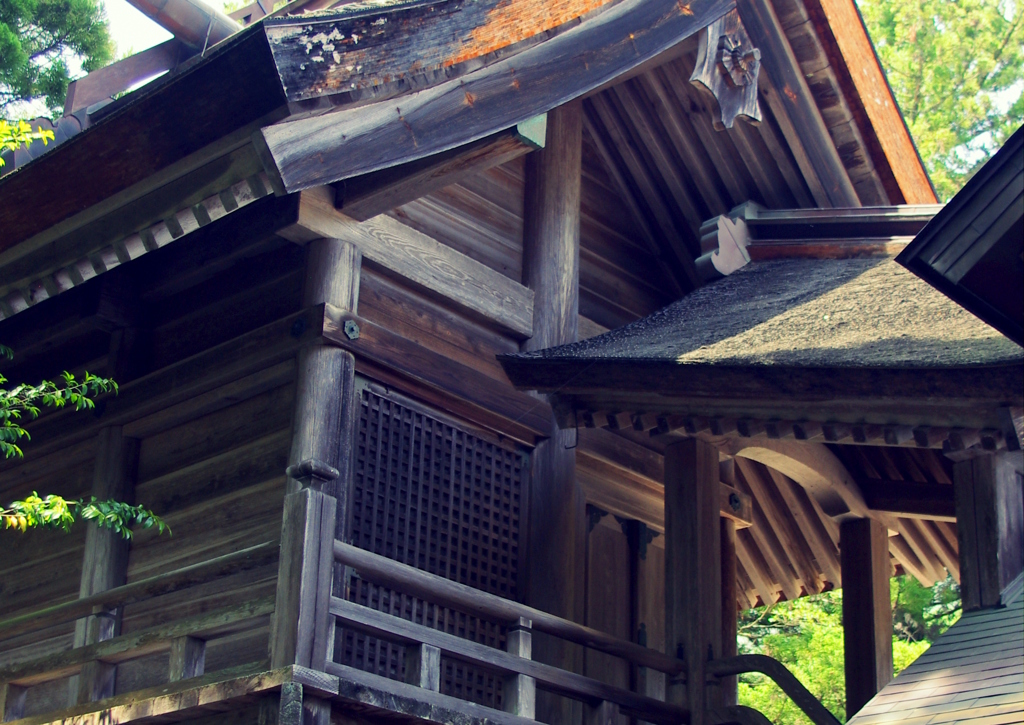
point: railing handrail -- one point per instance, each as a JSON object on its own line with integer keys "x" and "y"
{"x": 125, "y": 647}
{"x": 562, "y": 682}
{"x": 424, "y": 585}
{"x": 780, "y": 674}
{"x": 141, "y": 590}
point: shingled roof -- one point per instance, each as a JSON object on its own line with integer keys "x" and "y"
{"x": 974, "y": 673}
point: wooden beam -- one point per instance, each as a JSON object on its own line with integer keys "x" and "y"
{"x": 867, "y": 613}
{"x": 106, "y": 560}
{"x": 793, "y": 105}
{"x": 104, "y": 83}
{"x": 367, "y": 196}
{"x": 555, "y": 510}
{"x": 421, "y": 261}
{"x": 730, "y": 601}
{"x": 990, "y": 530}
{"x": 908, "y": 499}
{"x": 473, "y": 394}
{"x": 333, "y": 146}
{"x": 693, "y": 571}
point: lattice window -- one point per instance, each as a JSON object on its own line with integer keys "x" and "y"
{"x": 443, "y": 497}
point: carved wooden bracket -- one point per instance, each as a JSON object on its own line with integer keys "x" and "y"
{"x": 727, "y": 66}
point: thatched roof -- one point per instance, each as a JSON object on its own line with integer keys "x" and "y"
{"x": 804, "y": 313}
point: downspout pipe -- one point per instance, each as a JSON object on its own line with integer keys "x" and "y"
{"x": 192, "y": 22}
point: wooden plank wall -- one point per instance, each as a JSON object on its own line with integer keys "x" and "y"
{"x": 482, "y": 217}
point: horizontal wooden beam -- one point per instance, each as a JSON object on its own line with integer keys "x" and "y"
{"x": 367, "y": 196}
{"x": 909, "y": 499}
{"x": 137, "y": 644}
{"x": 482, "y": 399}
{"x": 435, "y": 268}
{"x": 354, "y": 141}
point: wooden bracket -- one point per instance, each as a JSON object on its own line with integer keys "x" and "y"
{"x": 727, "y": 66}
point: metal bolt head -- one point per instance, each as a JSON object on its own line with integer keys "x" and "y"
{"x": 734, "y": 502}
{"x": 351, "y": 329}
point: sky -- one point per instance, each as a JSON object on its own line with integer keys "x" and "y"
{"x": 133, "y": 31}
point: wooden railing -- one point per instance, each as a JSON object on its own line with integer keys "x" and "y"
{"x": 522, "y": 675}
{"x": 185, "y": 639}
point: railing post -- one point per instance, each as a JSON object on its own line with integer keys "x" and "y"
{"x": 188, "y": 658}
{"x": 12, "y": 701}
{"x": 604, "y": 713}
{"x": 423, "y": 666}
{"x": 519, "y": 694}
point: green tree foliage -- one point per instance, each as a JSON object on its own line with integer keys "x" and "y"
{"x": 55, "y": 512}
{"x": 955, "y": 68}
{"x": 807, "y": 636}
{"x": 40, "y": 41}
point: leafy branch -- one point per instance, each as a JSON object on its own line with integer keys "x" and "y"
{"x": 12, "y": 135}
{"x": 56, "y": 512}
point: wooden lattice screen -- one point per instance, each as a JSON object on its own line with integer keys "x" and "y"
{"x": 443, "y": 497}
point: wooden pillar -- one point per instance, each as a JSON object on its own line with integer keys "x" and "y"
{"x": 319, "y": 474}
{"x": 867, "y": 611}
{"x": 105, "y": 563}
{"x": 990, "y": 525}
{"x": 693, "y": 570}
{"x": 556, "y": 518}
{"x": 730, "y": 685}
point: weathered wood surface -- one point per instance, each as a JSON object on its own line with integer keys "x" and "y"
{"x": 498, "y": 405}
{"x": 727, "y": 66}
{"x": 861, "y": 77}
{"x": 371, "y": 694}
{"x": 727, "y": 536}
{"x": 187, "y": 658}
{"x": 103, "y": 83}
{"x": 419, "y": 260}
{"x": 136, "y": 644}
{"x": 444, "y": 592}
{"x": 791, "y": 99}
{"x": 547, "y": 677}
{"x": 519, "y": 692}
{"x": 300, "y": 629}
{"x": 867, "y": 612}
{"x": 217, "y": 692}
{"x": 990, "y": 530}
{"x": 504, "y": 93}
{"x": 555, "y": 509}
{"x": 693, "y": 570}
{"x": 144, "y": 589}
{"x": 376, "y": 193}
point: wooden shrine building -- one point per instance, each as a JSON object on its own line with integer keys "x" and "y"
{"x": 301, "y": 249}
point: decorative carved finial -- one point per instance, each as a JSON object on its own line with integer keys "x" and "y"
{"x": 727, "y": 66}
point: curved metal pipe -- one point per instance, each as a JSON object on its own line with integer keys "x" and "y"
{"x": 193, "y": 22}
{"x": 786, "y": 680}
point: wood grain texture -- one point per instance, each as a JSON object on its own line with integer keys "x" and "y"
{"x": 372, "y": 194}
{"x": 867, "y": 613}
{"x": 421, "y": 261}
{"x": 693, "y": 570}
{"x": 792, "y": 100}
{"x": 187, "y": 658}
{"x": 504, "y": 93}
{"x": 857, "y": 65}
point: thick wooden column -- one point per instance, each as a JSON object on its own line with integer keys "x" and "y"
{"x": 867, "y": 611}
{"x": 556, "y": 519}
{"x": 319, "y": 473}
{"x": 105, "y": 565}
{"x": 990, "y": 525}
{"x": 693, "y": 570}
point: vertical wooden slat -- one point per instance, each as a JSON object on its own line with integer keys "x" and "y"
{"x": 106, "y": 560}
{"x": 423, "y": 666}
{"x": 519, "y": 694}
{"x": 554, "y": 581}
{"x": 990, "y": 529}
{"x": 867, "y": 616}
{"x": 729, "y": 685}
{"x": 188, "y": 658}
{"x": 12, "y": 701}
{"x": 693, "y": 570}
